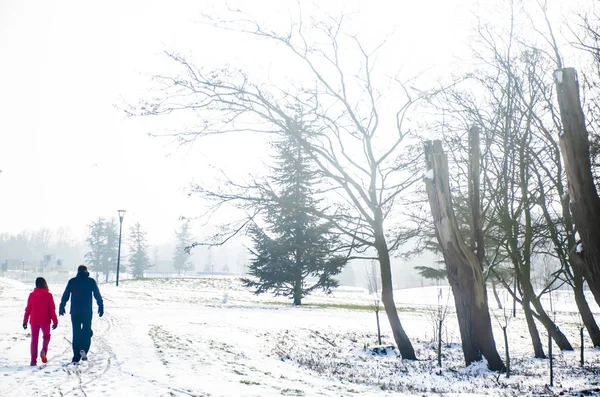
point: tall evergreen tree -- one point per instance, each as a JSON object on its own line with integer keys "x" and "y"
{"x": 293, "y": 253}
{"x": 96, "y": 241}
{"x": 139, "y": 261}
{"x": 181, "y": 256}
{"x": 111, "y": 247}
{"x": 103, "y": 244}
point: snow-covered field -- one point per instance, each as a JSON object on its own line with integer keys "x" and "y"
{"x": 210, "y": 337}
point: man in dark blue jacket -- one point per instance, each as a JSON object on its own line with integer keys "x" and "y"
{"x": 80, "y": 289}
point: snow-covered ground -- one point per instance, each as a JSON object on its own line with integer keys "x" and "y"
{"x": 210, "y": 337}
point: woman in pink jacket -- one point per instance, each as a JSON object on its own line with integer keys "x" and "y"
{"x": 39, "y": 312}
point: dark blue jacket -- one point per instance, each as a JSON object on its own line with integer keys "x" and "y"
{"x": 80, "y": 289}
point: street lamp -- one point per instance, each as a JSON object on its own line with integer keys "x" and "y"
{"x": 121, "y": 216}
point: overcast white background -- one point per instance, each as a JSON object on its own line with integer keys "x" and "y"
{"x": 68, "y": 154}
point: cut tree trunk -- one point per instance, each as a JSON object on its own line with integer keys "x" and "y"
{"x": 575, "y": 149}
{"x": 578, "y": 281}
{"x": 464, "y": 269}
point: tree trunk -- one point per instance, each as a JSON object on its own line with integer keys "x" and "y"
{"x": 298, "y": 273}
{"x": 529, "y": 297}
{"x": 464, "y": 269}
{"x": 575, "y": 149}
{"x": 551, "y": 358}
{"x": 297, "y": 292}
{"x": 584, "y": 308}
{"x": 378, "y": 327}
{"x": 495, "y": 291}
{"x": 506, "y": 351}
{"x": 575, "y": 272}
{"x": 387, "y": 297}
{"x": 439, "y": 352}
{"x": 477, "y": 241}
{"x": 536, "y": 341}
{"x": 587, "y": 317}
{"x": 582, "y": 346}
{"x": 559, "y": 337}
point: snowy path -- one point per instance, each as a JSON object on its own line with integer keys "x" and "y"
{"x": 211, "y": 337}
{"x": 147, "y": 344}
{"x": 57, "y": 377}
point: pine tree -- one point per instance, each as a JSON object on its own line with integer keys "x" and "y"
{"x": 293, "y": 253}
{"x": 103, "y": 243}
{"x": 109, "y": 252}
{"x": 139, "y": 261}
{"x": 96, "y": 241}
{"x": 181, "y": 257}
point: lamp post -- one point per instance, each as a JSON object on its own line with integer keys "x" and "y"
{"x": 121, "y": 216}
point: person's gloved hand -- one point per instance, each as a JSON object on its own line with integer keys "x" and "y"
{"x": 100, "y": 311}
{"x": 24, "y": 325}
{"x": 54, "y": 326}
{"x": 61, "y": 311}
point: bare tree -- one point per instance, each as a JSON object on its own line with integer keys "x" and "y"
{"x": 578, "y": 320}
{"x": 437, "y": 315}
{"x": 523, "y": 187}
{"x": 562, "y": 229}
{"x": 337, "y": 120}
{"x": 504, "y": 320}
{"x": 374, "y": 287}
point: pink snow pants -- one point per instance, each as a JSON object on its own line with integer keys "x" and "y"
{"x": 35, "y": 335}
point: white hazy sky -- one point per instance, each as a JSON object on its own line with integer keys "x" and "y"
{"x": 68, "y": 155}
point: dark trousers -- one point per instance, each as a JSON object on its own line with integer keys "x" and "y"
{"x": 82, "y": 334}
